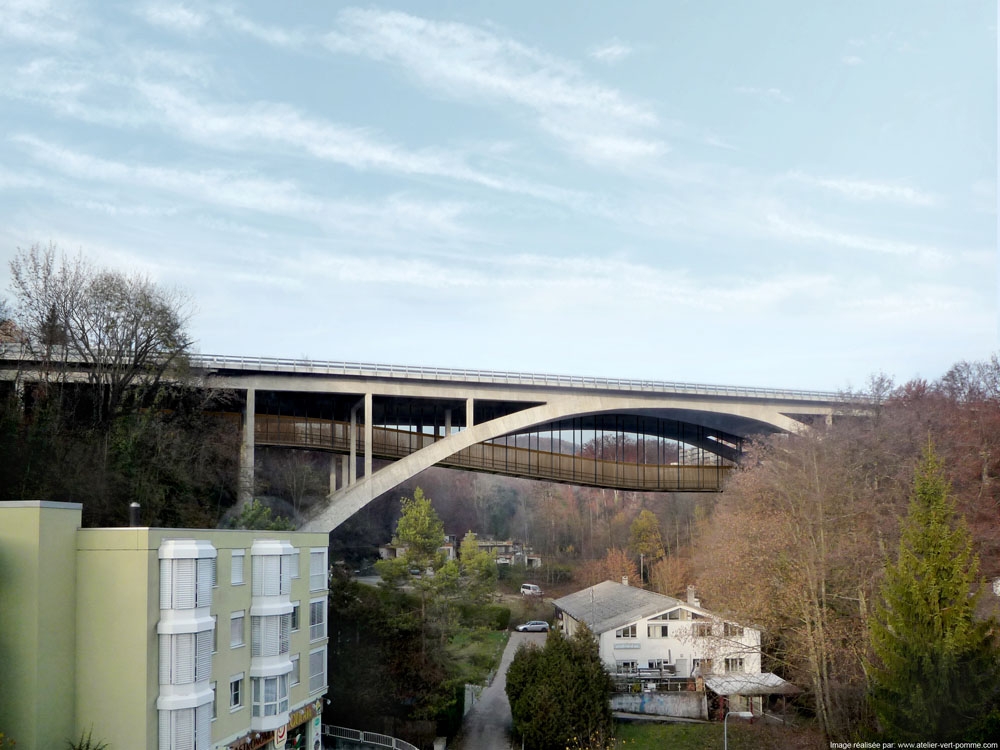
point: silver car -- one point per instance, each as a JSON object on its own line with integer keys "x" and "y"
{"x": 534, "y": 626}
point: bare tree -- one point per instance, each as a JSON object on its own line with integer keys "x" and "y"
{"x": 124, "y": 330}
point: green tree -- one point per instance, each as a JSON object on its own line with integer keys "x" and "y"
{"x": 256, "y": 515}
{"x": 934, "y": 675}
{"x": 422, "y": 566}
{"x": 559, "y": 695}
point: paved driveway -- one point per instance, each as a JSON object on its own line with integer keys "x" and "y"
{"x": 487, "y": 726}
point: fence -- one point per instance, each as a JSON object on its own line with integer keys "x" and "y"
{"x": 365, "y": 738}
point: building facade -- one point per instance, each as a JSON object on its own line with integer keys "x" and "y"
{"x": 641, "y": 632}
{"x": 168, "y": 639}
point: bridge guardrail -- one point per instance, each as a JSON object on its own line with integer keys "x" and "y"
{"x": 16, "y": 352}
{"x": 499, "y": 377}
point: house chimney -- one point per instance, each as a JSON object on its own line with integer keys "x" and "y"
{"x": 624, "y": 580}
{"x": 692, "y": 599}
{"x": 133, "y": 515}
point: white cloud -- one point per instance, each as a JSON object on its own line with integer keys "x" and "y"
{"x": 867, "y": 190}
{"x": 928, "y": 256}
{"x": 764, "y": 94}
{"x": 611, "y": 51}
{"x": 471, "y": 63}
{"x": 851, "y": 60}
{"x": 173, "y": 16}
{"x": 272, "y": 35}
{"x": 223, "y": 126}
{"x": 392, "y": 217}
{"x": 37, "y": 22}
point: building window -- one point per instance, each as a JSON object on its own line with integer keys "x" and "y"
{"x": 674, "y": 614}
{"x": 236, "y": 578}
{"x": 236, "y": 692}
{"x": 734, "y": 665}
{"x": 215, "y": 697}
{"x": 733, "y": 631}
{"x": 269, "y": 634}
{"x": 295, "y": 616}
{"x": 270, "y": 695}
{"x": 627, "y": 667}
{"x": 272, "y": 575}
{"x": 701, "y": 629}
{"x": 185, "y": 657}
{"x": 660, "y": 663}
{"x": 186, "y": 728}
{"x": 294, "y": 676}
{"x": 215, "y": 634}
{"x": 317, "y": 669}
{"x": 186, "y": 583}
{"x": 317, "y": 570}
{"x": 702, "y": 665}
{"x": 295, "y": 563}
{"x": 627, "y": 632}
{"x": 317, "y": 619}
{"x": 236, "y": 629}
{"x": 656, "y": 631}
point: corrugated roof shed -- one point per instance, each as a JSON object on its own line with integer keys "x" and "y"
{"x": 610, "y": 605}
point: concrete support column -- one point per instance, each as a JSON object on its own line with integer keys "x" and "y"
{"x": 246, "y": 478}
{"x": 368, "y": 434}
{"x": 344, "y": 470}
{"x": 469, "y": 413}
{"x": 333, "y": 473}
{"x": 447, "y": 422}
{"x": 352, "y": 438}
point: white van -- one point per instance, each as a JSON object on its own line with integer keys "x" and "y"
{"x": 530, "y": 589}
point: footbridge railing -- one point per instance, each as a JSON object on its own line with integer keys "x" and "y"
{"x": 497, "y": 458}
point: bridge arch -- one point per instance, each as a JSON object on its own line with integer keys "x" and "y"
{"x": 743, "y": 419}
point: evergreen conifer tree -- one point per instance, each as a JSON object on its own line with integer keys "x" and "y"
{"x": 934, "y": 675}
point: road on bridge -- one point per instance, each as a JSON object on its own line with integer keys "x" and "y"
{"x": 488, "y": 725}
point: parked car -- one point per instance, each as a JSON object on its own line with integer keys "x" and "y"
{"x": 530, "y": 589}
{"x": 534, "y": 626}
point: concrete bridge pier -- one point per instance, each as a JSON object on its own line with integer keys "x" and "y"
{"x": 246, "y": 478}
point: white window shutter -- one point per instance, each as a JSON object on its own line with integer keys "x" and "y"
{"x": 183, "y": 729}
{"x": 205, "y": 578}
{"x": 256, "y": 637}
{"x": 183, "y": 669}
{"x": 184, "y": 584}
{"x": 164, "y": 730}
{"x": 166, "y": 584}
{"x": 237, "y": 572}
{"x": 203, "y": 667}
{"x": 165, "y": 659}
{"x": 203, "y": 726}
{"x": 286, "y": 574}
{"x": 284, "y": 645}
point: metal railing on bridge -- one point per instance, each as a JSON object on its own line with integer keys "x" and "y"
{"x": 392, "y": 444}
{"x": 366, "y": 369}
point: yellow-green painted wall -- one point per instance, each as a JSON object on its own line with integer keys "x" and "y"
{"x": 117, "y": 678}
{"x": 37, "y": 633}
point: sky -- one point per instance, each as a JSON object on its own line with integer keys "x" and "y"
{"x": 777, "y": 193}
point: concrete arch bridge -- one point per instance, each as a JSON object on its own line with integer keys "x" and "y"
{"x": 623, "y": 434}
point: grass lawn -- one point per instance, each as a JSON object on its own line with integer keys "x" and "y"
{"x": 479, "y": 651}
{"x": 663, "y": 736}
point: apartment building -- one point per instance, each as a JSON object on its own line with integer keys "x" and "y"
{"x": 167, "y": 639}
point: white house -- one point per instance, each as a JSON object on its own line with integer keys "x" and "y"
{"x": 641, "y": 630}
